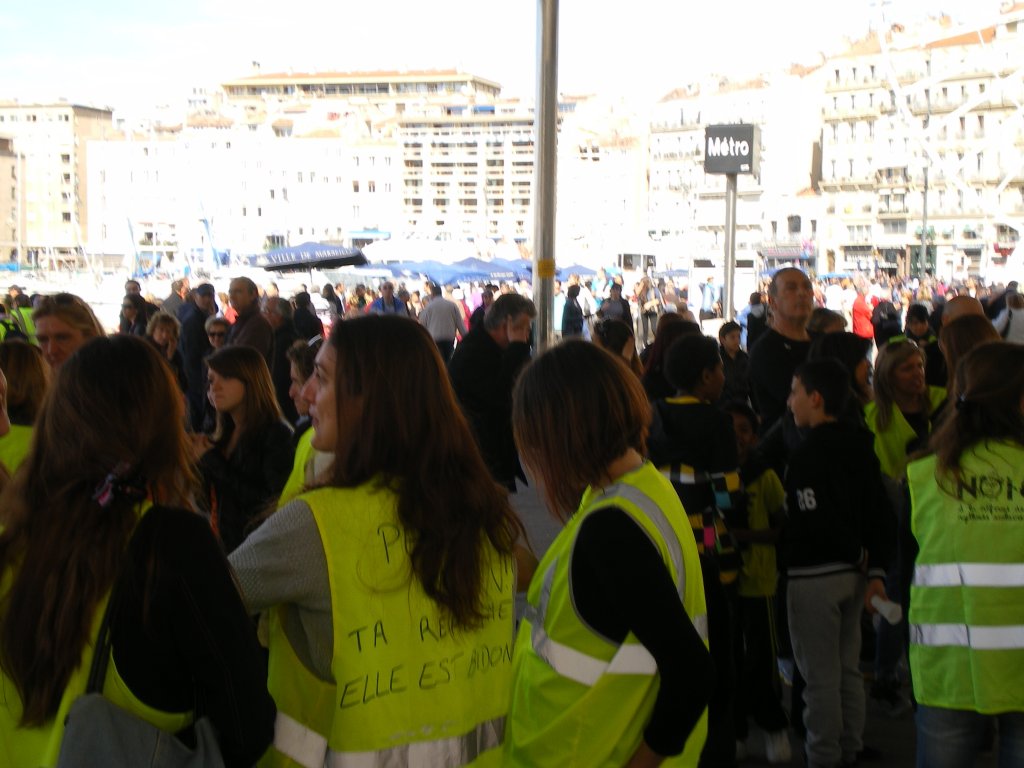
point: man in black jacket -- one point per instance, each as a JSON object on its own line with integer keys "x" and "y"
{"x": 783, "y": 346}
{"x": 194, "y": 346}
{"x": 483, "y": 370}
{"x": 307, "y": 324}
{"x": 278, "y": 312}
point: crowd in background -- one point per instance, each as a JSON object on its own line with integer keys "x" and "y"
{"x": 729, "y": 500}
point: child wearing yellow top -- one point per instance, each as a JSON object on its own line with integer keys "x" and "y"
{"x": 759, "y": 678}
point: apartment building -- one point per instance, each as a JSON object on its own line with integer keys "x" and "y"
{"x": 922, "y": 142}
{"x": 204, "y": 193}
{"x": 8, "y": 201}
{"x": 50, "y": 176}
{"x": 394, "y": 90}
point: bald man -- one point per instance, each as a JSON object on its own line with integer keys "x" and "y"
{"x": 935, "y": 371}
{"x": 961, "y": 306}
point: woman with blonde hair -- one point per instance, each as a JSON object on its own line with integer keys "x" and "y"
{"x": 611, "y": 663}
{"x": 390, "y": 584}
{"x": 64, "y": 322}
{"x": 246, "y": 461}
{"x": 104, "y": 498}
{"x": 904, "y": 408}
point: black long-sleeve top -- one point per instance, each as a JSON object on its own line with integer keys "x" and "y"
{"x": 620, "y": 585}
{"x": 181, "y": 637}
{"x": 239, "y": 487}
{"x": 836, "y": 504}
{"x": 772, "y": 361}
{"x": 483, "y": 374}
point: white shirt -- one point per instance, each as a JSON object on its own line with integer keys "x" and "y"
{"x": 442, "y": 319}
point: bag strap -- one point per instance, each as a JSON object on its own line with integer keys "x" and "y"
{"x": 101, "y": 653}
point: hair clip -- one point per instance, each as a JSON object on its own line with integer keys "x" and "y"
{"x": 105, "y": 491}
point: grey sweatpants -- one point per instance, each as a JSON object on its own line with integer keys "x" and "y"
{"x": 824, "y": 624}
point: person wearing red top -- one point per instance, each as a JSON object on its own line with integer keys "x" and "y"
{"x": 862, "y": 316}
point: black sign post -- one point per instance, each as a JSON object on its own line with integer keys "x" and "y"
{"x": 731, "y": 150}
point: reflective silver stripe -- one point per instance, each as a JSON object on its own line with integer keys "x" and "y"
{"x": 700, "y": 623}
{"x": 438, "y": 753}
{"x": 969, "y": 575}
{"x": 962, "y": 635}
{"x": 630, "y": 659}
{"x": 648, "y": 506}
{"x": 301, "y": 744}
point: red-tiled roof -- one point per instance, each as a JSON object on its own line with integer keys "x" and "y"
{"x": 976, "y": 37}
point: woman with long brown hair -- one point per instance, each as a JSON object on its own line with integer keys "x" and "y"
{"x": 104, "y": 497}
{"x": 391, "y": 583}
{"x": 611, "y": 663}
{"x": 966, "y": 555}
{"x": 957, "y": 339}
{"x": 246, "y": 461}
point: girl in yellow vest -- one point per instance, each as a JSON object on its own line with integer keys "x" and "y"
{"x": 966, "y": 599}
{"x": 103, "y": 496}
{"x": 611, "y": 661}
{"x": 904, "y": 408}
{"x": 390, "y": 586}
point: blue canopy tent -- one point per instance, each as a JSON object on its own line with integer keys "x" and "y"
{"x": 488, "y": 270}
{"x": 310, "y": 256}
{"x": 575, "y": 269}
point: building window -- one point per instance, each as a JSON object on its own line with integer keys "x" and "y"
{"x": 371, "y": 186}
{"x": 67, "y": 178}
{"x": 243, "y": 211}
{"x": 66, "y": 217}
{"x": 272, "y": 194}
{"x": 355, "y": 211}
{"x": 259, "y": 211}
{"x": 65, "y": 159}
{"x": 355, "y": 186}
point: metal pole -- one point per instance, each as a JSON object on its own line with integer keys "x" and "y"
{"x": 728, "y": 310}
{"x": 925, "y": 262}
{"x": 545, "y": 144}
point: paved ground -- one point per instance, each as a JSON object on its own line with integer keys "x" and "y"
{"x": 893, "y": 737}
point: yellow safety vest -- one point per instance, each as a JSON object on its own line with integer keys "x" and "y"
{"x": 297, "y": 479}
{"x": 579, "y": 699}
{"x": 14, "y": 447}
{"x": 408, "y": 688}
{"x": 759, "y": 576}
{"x": 967, "y": 596}
{"x": 38, "y": 747}
{"x": 891, "y": 445}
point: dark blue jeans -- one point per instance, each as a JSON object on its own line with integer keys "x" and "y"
{"x": 952, "y": 738}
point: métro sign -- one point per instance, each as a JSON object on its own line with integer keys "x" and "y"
{"x": 732, "y": 149}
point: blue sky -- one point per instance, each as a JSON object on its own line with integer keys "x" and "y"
{"x": 124, "y": 53}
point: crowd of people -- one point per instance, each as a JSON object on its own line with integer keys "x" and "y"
{"x": 302, "y": 532}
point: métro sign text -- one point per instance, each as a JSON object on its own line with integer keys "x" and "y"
{"x": 732, "y": 149}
